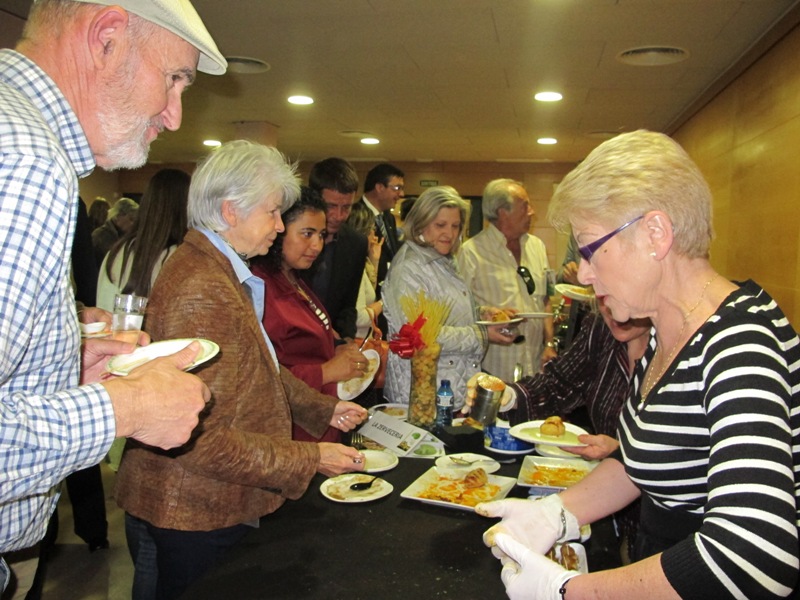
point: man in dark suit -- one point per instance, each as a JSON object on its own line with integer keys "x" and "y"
{"x": 383, "y": 187}
{"x": 336, "y": 274}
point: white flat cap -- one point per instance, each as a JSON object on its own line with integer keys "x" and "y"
{"x": 179, "y": 17}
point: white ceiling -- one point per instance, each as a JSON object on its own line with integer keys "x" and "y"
{"x": 454, "y": 79}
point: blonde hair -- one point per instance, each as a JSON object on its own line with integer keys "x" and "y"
{"x": 427, "y": 206}
{"x": 634, "y": 173}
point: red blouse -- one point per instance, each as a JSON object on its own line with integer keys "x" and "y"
{"x": 301, "y": 341}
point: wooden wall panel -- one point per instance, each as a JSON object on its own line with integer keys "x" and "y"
{"x": 746, "y": 143}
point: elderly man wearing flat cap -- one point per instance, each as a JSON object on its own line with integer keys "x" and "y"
{"x": 91, "y": 83}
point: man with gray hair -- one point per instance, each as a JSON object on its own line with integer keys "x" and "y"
{"x": 505, "y": 266}
{"x": 121, "y": 218}
{"x": 91, "y": 83}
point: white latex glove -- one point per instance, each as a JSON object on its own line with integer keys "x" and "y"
{"x": 530, "y": 576}
{"x": 507, "y": 401}
{"x": 536, "y": 523}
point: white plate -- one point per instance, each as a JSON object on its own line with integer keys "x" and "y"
{"x": 347, "y": 390}
{"x": 398, "y": 411}
{"x": 433, "y": 476}
{"x": 484, "y": 462}
{"x": 509, "y": 322}
{"x": 95, "y": 330}
{"x": 509, "y": 452}
{"x": 578, "y": 467}
{"x": 575, "y": 292}
{"x": 529, "y": 432}
{"x": 338, "y": 489}
{"x": 554, "y": 452}
{"x": 535, "y": 315}
{"x": 123, "y": 364}
{"x": 378, "y": 461}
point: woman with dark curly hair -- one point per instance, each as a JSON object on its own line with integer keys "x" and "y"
{"x": 294, "y": 317}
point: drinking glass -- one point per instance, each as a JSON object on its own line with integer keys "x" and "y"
{"x": 126, "y": 322}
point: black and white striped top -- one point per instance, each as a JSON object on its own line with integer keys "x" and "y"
{"x": 719, "y": 438}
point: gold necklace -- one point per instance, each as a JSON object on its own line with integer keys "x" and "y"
{"x": 649, "y": 382}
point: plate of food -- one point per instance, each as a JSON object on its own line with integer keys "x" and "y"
{"x": 506, "y": 321}
{"x": 575, "y": 292}
{"x": 553, "y": 473}
{"x": 378, "y": 461}
{"x": 338, "y": 489}
{"x": 467, "y": 461}
{"x": 350, "y": 389}
{"x": 398, "y": 411}
{"x": 123, "y": 364}
{"x": 457, "y": 490}
{"x": 550, "y": 432}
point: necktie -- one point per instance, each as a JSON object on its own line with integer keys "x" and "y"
{"x": 382, "y": 227}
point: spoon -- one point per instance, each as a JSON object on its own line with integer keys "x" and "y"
{"x": 464, "y": 462}
{"x": 363, "y": 485}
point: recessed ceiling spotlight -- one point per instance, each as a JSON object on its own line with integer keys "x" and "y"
{"x": 370, "y": 141}
{"x": 244, "y": 65}
{"x": 652, "y": 56}
{"x": 212, "y": 143}
{"x": 547, "y": 141}
{"x": 300, "y": 100}
{"x": 548, "y": 97}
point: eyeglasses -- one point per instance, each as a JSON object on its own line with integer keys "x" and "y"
{"x": 588, "y": 250}
{"x": 530, "y": 284}
{"x": 396, "y": 188}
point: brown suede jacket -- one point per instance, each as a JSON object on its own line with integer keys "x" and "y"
{"x": 241, "y": 462}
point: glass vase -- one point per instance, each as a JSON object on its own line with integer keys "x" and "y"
{"x": 422, "y": 399}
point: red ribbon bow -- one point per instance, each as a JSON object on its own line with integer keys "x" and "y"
{"x": 408, "y": 340}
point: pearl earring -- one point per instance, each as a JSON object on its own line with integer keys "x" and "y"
{"x": 653, "y": 254}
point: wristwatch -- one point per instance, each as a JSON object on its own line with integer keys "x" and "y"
{"x": 551, "y": 344}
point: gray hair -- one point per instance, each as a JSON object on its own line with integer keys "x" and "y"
{"x": 496, "y": 195}
{"x": 244, "y": 173}
{"x": 122, "y": 208}
{"x": 427, "y": 206}
{"x": 630, "y": 175}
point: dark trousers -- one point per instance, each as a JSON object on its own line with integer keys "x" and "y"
{"x": 85, "y": 489}
{"x": 181, "y": 557}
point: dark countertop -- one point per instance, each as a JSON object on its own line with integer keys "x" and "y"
{"x": 314, "y": 548}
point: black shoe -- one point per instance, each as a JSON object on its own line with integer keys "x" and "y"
{"x": 98, "y": 545}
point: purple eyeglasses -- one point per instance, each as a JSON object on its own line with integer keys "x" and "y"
{"x": 588, "y": 250}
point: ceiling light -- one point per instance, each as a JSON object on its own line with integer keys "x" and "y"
{"x": 212, "y": 143}
{"x": 244, "y": 65}
{"x": 548, "y": 97}
{"x": 547, "y": 141}
{"x": 300, "y": 100}
{"x": 652, "y": 56}
{"x": 370, "y": 141}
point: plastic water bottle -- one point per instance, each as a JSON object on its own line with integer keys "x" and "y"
{"x": 444, "y": 405}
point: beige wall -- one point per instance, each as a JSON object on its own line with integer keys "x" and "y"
{"x": 746, "y": 143}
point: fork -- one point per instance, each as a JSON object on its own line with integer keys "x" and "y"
{"x": 356, "y": 440}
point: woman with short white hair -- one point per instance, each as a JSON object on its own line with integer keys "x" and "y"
{"x": 710, "y": 432}
{"x": 185, "y": 507}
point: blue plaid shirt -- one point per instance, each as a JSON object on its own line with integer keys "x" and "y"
{"x": 48, "y": 426}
